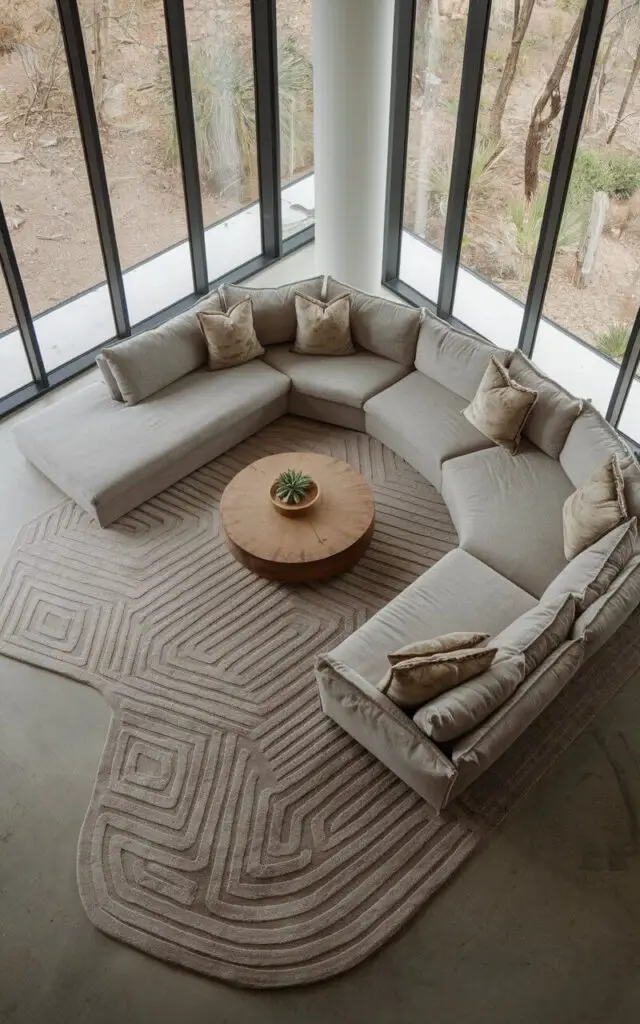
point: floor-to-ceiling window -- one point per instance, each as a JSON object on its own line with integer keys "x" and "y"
{"x": 142, "y": 157}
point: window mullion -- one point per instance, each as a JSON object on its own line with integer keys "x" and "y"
{"x": 20, "y": 304}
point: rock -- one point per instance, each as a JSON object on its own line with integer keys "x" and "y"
{"x": 52, "y": 140}
{"x": 114, "y": 104}
{"x": 14, "y": 222}
{"x": 10, "y": 158}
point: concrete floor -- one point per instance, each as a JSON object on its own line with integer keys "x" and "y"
{"x": 542, "y": 925}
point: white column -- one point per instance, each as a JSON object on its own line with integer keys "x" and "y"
{"x": 352, "y": 44}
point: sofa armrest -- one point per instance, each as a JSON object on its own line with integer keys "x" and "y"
{"x": 384, "y": 730}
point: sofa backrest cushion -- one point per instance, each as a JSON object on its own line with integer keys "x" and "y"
{"x": 453, "y": 358}
{"x": 386, "y": 328}
{"x": 274, "y": 309}
{"x": 590, "y": 574}
{"x": 458, "y": 711}
{"x": 153, "y": 360}
{"x": 555, "y": 410}
{"x": 600, "y": 621}
{"x": 591, "y": 441}
{"x": 538, "y": 632}
{"x": 108, "y": 378}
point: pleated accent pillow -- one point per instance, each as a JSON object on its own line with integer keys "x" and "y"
{"x": 500, "y": 407}
{"x": 230, "y": 337}
{"x": 413, "y": 681}
{"x": 594, "y": 509}
{"x": 323, "y": 327}
{"x": 438, "y": 645}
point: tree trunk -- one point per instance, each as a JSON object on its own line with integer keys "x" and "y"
{"x": 625, "y": 99}
{"x": 600, "y": 80}
{"x": 545, "y": 110}
{"x": 426, "y": 147}
{"x": 586, "y": 257}
{"x": 101, "y": 15}
{"x": 521, "y": 19}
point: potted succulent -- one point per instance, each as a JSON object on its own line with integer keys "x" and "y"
{"x": 294, "y": 492}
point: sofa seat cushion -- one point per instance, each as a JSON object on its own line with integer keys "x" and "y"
{"x": 422, "y": 421}
{"x": 508, "y": 511}
{"x": 347, "y": 380}
{"x": 111, "y": 457}
{"x": 458, "y": 593}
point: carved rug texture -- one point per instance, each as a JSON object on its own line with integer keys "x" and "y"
{"x": 233, "y": 828}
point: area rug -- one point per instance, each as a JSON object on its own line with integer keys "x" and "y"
{"x": 233, "y": 828}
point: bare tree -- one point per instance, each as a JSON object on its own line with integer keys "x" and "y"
{"x": 625, "y": 99}
{"x": 545, "y": 110}
{"x": 101, "y": 18}
{"x": 521, "y": 19}
{"x": 429, "y": 58}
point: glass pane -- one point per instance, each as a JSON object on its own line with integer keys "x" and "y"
{"x": 594, "y": 288}
{"x": 437, "y": 68}
{"x": 295, "y": 76}
{"x": 221, "y": 62}
{"x": 529, "y": 58}
{"x": 44, "y": 187}
{"x": 630, "y": 420}
{"x": 14, "y": 368}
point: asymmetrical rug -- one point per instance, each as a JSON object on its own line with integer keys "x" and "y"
{"x": 233, "y": 828}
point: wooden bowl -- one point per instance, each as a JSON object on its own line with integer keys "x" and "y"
{"x": 311, "y": 498}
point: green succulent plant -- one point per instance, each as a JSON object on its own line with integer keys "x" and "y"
{"x": 292, "y": 486}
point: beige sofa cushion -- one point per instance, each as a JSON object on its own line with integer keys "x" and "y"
{"x": 500, "y": 407}
{"x": 538, "y": 632}
{"x": 594, "y": 509}
{"x": 145, "y": 364}
{"x": 416, "y": 409}
{"x": 323, "y": 327}
{"x": 602, "y": 618}
{"x": 230, "y": 337}
{"x": 437, "y": 645}
{"x": 494, "y": 501}
{"x": 274, "y": 310}
{"x": 554, "y": 412}
{"x": 453, "y": 358}
{"x": 591, "y": 573}
{"x": 108, "y": 378}
{"x": 387, "y": 328}
{"x": 590, "y": 443}
{"x": 412, "y": 682}
{"x": 461, "y": 709}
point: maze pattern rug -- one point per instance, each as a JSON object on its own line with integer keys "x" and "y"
{"x": 233, "y": 828}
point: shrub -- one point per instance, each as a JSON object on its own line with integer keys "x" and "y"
{"x": 617, "y": 174}
{"x": 526, "y": 218}
{"x": 613, "y": 341}
{"x": 11, "y": 32}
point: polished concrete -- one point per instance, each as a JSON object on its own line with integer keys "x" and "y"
{"x": 542, "y": 926}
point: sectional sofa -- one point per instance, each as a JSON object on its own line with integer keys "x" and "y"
{"x": 407, "y": 385}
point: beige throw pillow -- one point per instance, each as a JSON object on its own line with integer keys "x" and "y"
{"x": 230, "y": 337}
{"x": 500, "y": 407}
{"x": 323, "y": 327}
{"x": 415, "y": 681}
{"x": 594, "y": 509}
{"x": 438, "y": 645}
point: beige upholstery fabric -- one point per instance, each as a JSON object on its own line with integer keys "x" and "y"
{"x": 500, "y": 407}
{"x": 473, "y": 753}
{"x": 591, "y": 573}
{"x": 600, "y": 621}
{"x": 327, "y": 412}
{"x": 594, "y": 509}
{"x": 417, "y": 409}
{"x": 554, "y": 412}
{"x": 538, "y": 632}
{"x": 274, "y": 311}
{"x": 230, "y": 337}
{"x": 457, "y": 593}
{"x": 323, "y": 327}
{"x": 494, "y": 500}
{"x": 387, "y": 328}
{"x": 631, "y": 476}
{"x": 108, "y": 378}
{"x": 590, "y": 443}
{"x": 437, "y": 645}
{"x": 453, "y": 358}
{"x": 151, "y": 361}
{"x": 383, "y": 729}
{"x": 461, "y": 709}
{"x": 412, "y": 682}
{"x": 111, "y": 458}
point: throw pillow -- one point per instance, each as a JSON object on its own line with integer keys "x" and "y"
{"x": 554, "y": 412}
{"x": 108, "y": 378}
{"x": 438, "y": 645}
{"x": 323, "y": 327}
{"x": 386, "y": 328}
{"x": 230, "y": 337}
{"x": 274, "y": 309}
{"x": 590, "y": 574}
{"x": 415, "y": 681}
{"x": 461, "y": 709}
{"x": 500, "y": 407}
{"x": 538, "y": 632}
{"x": 594, "y": 509}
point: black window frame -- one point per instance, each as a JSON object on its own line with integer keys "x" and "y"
{"x": 274, "y": 247}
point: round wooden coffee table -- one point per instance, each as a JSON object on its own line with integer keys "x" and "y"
{"x": 326, "y": 540}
